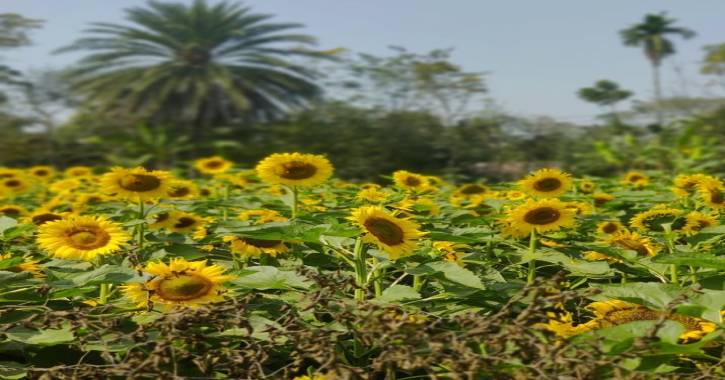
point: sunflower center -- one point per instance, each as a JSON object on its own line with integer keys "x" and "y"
{"x": 160, "y": 217}
{"x": 44, "y": 218}
{"x": 87, "y": 238}
{"x": 385, "y": 230}
{"x": 473, "y": 189}
{"x": 179, "y": 192}
{"x": 610, "y": 228}
{"x": 298, "y": 170}
{"x": 41, "y": 172}
{"x": 184, "y": 287}
{"x": 547, "y": 184}
{"x": 12, "y": 183}
{"x": 185, "y": 222}
{"x": 622, "y": 316}
{"x": 10, "y": 211}
{"x": 635, "y": 178}
{"x": 542, "y": 215}
{"x": 715, "y": 196}
{"x": 139, "y": 182}
{"x": 213, "y": 164}
{"x": 412, "y": 181}
{"x": 260, "y": 243}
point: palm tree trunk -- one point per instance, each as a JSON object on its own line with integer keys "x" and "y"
{"x": 658, "y": 91}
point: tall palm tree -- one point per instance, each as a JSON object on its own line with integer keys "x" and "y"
{"x": 651, "y": 34}
{"x": 199, "y": 65}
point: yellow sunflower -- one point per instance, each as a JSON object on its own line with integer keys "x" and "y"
{"x": 78, "y": 171}
{"x": 13, "y": 211}
{"x": 42, "y": 216}
{"x": 411, "y": 181}
{"x": 610, "y": 227}
{"x": 65, "y": 185}
{"x": 397, "y": 236}
{"x": 294, "y": 169}
{"x": 42, "y": 172}
{"x": 451, "y": 251}
{"x": 546, "y": 183}
{"x": 137, "y": 183}
{"x": 419, "y": 206}
{"x": 587, "y": 187}
{"x": 653, "y": 219}
{"x": 615, "y": 312}
{"x": 635, "y": 179}
{"x": 696, "y": 221}
{"x": 213, "y": 165}
{"x": 598, "y": 256}
{"x": 634, "y": 242}
{"x": 249, "y": 247}
{"x": 81, "y": 237}
{"x": 182, "y": 189}
{"x": 261, "y": 216}
{"x": 712, "y": 192}
{"x": 601, "y": 198}
{"x": 686, "y": 185}
{"x": 541, "y": 216}
{"x": 15, "y": 185}
{"x": 179, "y": 283}
{"x": 372, "y": 195}
{"x": 183, "y": 222}
{"x": 27, "y": 265}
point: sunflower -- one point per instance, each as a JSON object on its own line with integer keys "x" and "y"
{"x": 294, "y": 169}
{"x": 183, "y": 222}
{"x": 65, "y": 185}
{"x": 696, "y": 221}
{"x": 514, "y": 195}
{"x": 84, "y": 200}
{"x": 546, "y": 183}
{"x": 634, "y": 242}
{"x": 712, "y": 192}
{"x": 580, "y": 208}
{"x": 78, "y": 171}
{"x": 15, "y": 185}
{"x": 610, "y": 227}
{"x": 653, "y": 219}
{"x": 42, "y": 216}
{"x": 540, "y": 216}
{"x": 598, "y": 256}
{"x": 81, "y": 237}
{"x": 411, "y": 181}
{"x": 179, "y": 283}
{"x": 615, "y": 312}
{"x": 249, "y": 247}
{"x": 397, "y": 236}
{"x": 451, "y": 251}
{"x": 137, "y": 183}
{"x": 372, "y": 195}
{"x": 212, "y": 165}
{"x": 686, "y": 185}
{"x": 635, "y": 179}
{"x": 10, "y": 173}
{"x": 261, "y": 216}
{"x": 42, "y": 172}
{"x": 182, "y": 189}
{"x": 601, "y": 198}
{"x": 419, "y": 206}
{"x": 27, "y": 265}
{"x": 466, "y": 192}
{"x": 587, "y": 187}
{"x": 13, "y": 211}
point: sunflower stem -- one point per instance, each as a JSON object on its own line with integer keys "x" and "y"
{"x": 360, "y": 270}
{"x": 417, "y": 282}
{"x": 140, "y": 226}
{"x": 294, "y": 202}
{"x": 532, "y": 264}
{"x": 103, "y": 297}
{"x": 378, "y": 275}
{"x": 225, "y": 210}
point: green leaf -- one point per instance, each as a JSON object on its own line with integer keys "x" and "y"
{"x": 6, "y": 223}
{"x": 398, "y": 293}
{"x": 455, "y": 273}
{"x": 47, "y": 337}
{"x": 266, "y": 277}
{"x": 12, "y": 371}
{"x": 705, "y": 260}
{"x": 108, "y": 274}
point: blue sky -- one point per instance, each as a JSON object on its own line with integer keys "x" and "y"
{"x": 538, "y": 53}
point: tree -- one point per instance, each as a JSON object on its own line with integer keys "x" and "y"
{"x": 651, "y": 35}
{"x": 604, "y": 93}
{"x": 198, "y": 65}
{"x": 14, "y": 30}
{"x": 714, "y": 62}
{"x": 409, "y": 81}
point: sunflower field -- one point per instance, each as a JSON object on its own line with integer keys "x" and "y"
{"x": 281, "y": 271}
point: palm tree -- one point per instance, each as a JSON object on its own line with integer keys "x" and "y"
{"x": 198, "y": 65}
{"x": 651, "y": 34}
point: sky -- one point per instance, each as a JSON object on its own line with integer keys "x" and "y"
{"x": 537, "y": 53}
